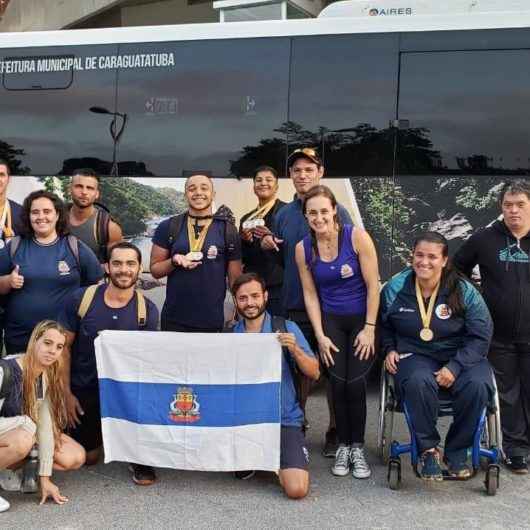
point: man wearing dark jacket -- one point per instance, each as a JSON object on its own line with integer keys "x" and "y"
{"x": 502, "y": 253}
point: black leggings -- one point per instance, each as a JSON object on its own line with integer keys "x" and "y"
{"x": 347, "y": 377}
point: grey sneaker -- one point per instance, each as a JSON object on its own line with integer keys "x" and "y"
{"x": 342, "y": 461}
{"x": 10, "y": 480}
{"x": 361, "y": 469}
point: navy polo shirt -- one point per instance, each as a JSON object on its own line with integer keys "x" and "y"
{"x": 292, "y": 415}
{"x": 51, "y": 273}
{"x": 291, "y": 225}
{"x": 83, "y": 371}
{"x": 196, "y": 297}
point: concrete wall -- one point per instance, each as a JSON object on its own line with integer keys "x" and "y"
{"x": 168, "y": 12}
{"x": 40, "y": 15}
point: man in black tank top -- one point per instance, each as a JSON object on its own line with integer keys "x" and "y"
{"x": 87, "y": 222}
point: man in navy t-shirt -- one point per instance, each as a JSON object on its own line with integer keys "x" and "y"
{"x": 290, "y": 226}
{"x": 116, "y": 306}
{"x": 250, "y": 296}
{"x": 10, "y": 212}
{"x": 196, "y": 260}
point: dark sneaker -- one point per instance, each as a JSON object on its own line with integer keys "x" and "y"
{"x": 142, "y": 475}
{"x": 331, "y": 444}
{"x": 517, "y": 464}
{"x": 430, "y": 466}
{"x": 244, "y": 475}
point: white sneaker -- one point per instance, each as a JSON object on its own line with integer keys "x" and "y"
{"x": 10, "y": 480}
{"x": 361, "y": 469}
{"x": 342, "y": 461}
{"x": 4, "y": 505}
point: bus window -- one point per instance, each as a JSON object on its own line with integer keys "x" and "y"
{"x": 46, "y": 117}
{"x": 343, "y": 96}
{"x": 37, "y": 73}
{"x": 211, "y": 108}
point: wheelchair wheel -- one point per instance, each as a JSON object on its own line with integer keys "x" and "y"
{"x": 492, "y": 479}
{"x": 394, "y": 474}
{"x": 386, "y": 418}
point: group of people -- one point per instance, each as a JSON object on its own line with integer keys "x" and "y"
{"x": 301, "y": 270}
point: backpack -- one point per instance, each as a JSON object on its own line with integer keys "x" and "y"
{"x": 88, "y": 298}
{"x": 103, "y": 219}
{"x": 177, "y": 222}
{"x": 73, "y": 245}
{"x": 279, "y": 324}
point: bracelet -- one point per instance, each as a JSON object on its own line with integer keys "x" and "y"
{"x": 369, "y": 324}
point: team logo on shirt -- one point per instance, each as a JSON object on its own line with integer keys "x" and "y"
{"x": 306, "y": 453}
{"x": 63, "y": 268}
{"x": 212, "y": 252}
{"x": 184, "y": 408}
{"x": 346, "y": 271}
{"x": 443, "y": 311}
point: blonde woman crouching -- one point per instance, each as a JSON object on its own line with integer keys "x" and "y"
{"x": 34, "y": 411}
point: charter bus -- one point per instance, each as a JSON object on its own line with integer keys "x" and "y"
{"x": 419, "y": 119}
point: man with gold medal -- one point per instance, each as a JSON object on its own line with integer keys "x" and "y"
{"x": 254, "y": 225}
{"x": 197, "y": 251}
{"x": 10, "y": 213}
{"x": 436, "y": 331}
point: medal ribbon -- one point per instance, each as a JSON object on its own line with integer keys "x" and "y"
{"x": 6, "y": 222}
{"x": 426, "y": 316}
{"x": 196, "y": 243}
{"x": 260, "y": 213}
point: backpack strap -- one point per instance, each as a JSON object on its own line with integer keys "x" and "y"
{"x": 102, "y": 232}
{"x": 73, "y": 244}
{"x": 6, "y": 379}
{"x": 141, "y": 309}
{"x": 14, "y": 244}
{"x": 279, "y": 324}
{"x": 175, "y": 225}
{"x": 86, "y": 301}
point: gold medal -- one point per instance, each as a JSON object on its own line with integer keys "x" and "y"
{"x": 426, "y": 333}
{"x": 194, "y": 256}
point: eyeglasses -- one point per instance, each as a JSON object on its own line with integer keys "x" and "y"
{"x": 310, "y": 151}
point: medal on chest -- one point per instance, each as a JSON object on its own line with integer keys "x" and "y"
{"x": 426, "y": 333}
{"x": 196, "y": 237}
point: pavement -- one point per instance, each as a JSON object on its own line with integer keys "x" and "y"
{"x": 104, "y": 497}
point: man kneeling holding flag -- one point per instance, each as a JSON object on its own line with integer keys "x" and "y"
{"x": 250, "y": 297}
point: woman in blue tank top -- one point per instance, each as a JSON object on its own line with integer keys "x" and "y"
{"x": 340, "y": 279}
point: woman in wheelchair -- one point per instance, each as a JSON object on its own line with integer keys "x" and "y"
{"x": 436, "y": 331}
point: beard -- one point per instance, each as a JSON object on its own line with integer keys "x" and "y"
{"x": 80, "y": 205}
{"x": 115, "y": 280}
{"x": 261, "y": 310}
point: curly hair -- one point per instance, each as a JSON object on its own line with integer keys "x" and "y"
{"x": 62, "y": 222}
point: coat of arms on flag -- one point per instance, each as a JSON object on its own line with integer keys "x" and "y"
{"x": 196, "y": 401}
{"x": 185, "y": 407}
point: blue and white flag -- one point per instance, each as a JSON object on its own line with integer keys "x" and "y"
{"x": 195, "y": 401}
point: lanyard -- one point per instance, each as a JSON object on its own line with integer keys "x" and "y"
{"x": 260, "y": 213}
{"x": 195, "y": 242}
{"x": 426, "y": 333}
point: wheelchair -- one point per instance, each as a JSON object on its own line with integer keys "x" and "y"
{"x": 487, "y": 444}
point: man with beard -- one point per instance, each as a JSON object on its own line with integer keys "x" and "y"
{"x": 196, "y": 251}
{"x": 250, "y": 297}
{"x": 90, "y": 223}
{"x": 289, "y": 227}
{"x": 113, "y": 305}
{"x": 10, "y": 212}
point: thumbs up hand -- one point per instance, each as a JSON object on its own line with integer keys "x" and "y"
{"x": 16, "y": 279}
